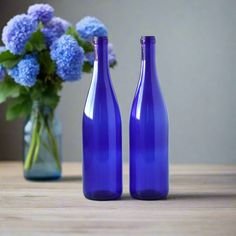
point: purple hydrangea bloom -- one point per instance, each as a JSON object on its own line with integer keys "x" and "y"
{"x": 17, "y": 32}
{"x": 55, "y": 29}
{"x": 69, "y": 58}
{"x": 89, "y": 27}
{"x": 26, "y": 71}
{"x": 111, "y": 56}
{"x": 41, "y": 12}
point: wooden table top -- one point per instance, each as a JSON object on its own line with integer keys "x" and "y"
{"x": 202, "y": 201}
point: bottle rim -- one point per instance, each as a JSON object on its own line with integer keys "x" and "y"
{"x": 148, "y": 39}
{"x": 100, "y": 39}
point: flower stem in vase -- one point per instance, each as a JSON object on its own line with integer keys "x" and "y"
{"x": 53, "y": 142}
{"x": 33, "y": 149}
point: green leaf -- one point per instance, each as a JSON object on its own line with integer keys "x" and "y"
{"x": 48, "y": 66}
{"x": 7, "y": 55}
{"x": 18, "y": 107}
{"x": 51, "y": 101}
{"x": 88, "y": 47}
{"x": 46, "y": 91}
{"x": 29, "y": 47}
{"x": 10, "y": 63}
{"x": 36, "y": 42}
{"x": 9, "y": 60}
{"x": 87, "y": 68}
{"x": 50, "y": 96}
{"x": 8, "y": 88}
{"x": 71, "y": 31}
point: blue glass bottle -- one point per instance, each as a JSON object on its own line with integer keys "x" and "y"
{"x": 148, "y": 132}
{"x": 102, "y": 146}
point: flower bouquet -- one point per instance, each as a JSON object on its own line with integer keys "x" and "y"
{"x": 41, "y": 52}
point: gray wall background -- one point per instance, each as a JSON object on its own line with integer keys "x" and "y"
{"x": 196, "y": 63}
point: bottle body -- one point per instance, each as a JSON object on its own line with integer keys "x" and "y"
{"x": 102, "y": 146}
{"x": 148, "y": 132}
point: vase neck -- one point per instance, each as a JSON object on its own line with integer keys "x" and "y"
{"x": 41, "y": 108}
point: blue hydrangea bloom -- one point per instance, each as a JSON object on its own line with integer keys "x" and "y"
{"x": 2, "y": 49}
{"x": 55, "y": 29}
{"x": 41, "y": 12}
{"x": 89, "y": 27}
{"x": 17, "y": 32}
{"x": 2, "y": 72}
{"x": 69, "y": 58}
{"x": 111, "y": 56}
{"x": 2, "y": 69}
{"x": 89, "y": 57}
{"x": 26, "y": 71}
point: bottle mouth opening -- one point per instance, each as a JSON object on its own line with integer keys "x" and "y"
{"x": 101, "y": 39}
{"x": 148, "y": 39}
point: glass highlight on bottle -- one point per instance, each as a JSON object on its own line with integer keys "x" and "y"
{"x": 148, "y": 132}
{"x": 102, "y": 151}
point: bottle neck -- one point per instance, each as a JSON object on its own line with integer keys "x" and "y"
{"x": 101, "y": 65}
{"x": 149, "y": 57}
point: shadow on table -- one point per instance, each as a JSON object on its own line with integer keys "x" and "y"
{"x": 202, "y": 196}
{"x": 191, "y": 196}
{"x": 126, "y": 197}
{"x": 74, "y": 178}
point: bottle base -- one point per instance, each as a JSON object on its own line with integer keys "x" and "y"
{"x": 102, "y": 195}
{"x": 149, "y": 195}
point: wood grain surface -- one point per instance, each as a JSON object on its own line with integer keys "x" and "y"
{"x": 202, "y": 201}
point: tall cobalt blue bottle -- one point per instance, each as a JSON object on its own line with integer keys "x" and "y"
{"x": 102, "y": 154}
{"x": 148, "y": 132}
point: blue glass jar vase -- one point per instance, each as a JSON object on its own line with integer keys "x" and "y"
{"x": 42, "y": 144}
{"x": 102, "y": 151}
{"x": 148, "y": 132}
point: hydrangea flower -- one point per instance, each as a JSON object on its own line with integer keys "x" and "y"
{"x": 26, "y": 71}
{"x": 89, "y": 27}
{"x": 41, "y": 12}
{"x": 2, "y": 69}
{"x": 55, "y": 29}
{"x": 89, "y": 57}
{"x": 17, "y": 32}
{"x": 2, "y": 72}
{"x": 111, "y": 56}
{"x": 2, "y": 49}
{"x": 69, "y": 58}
